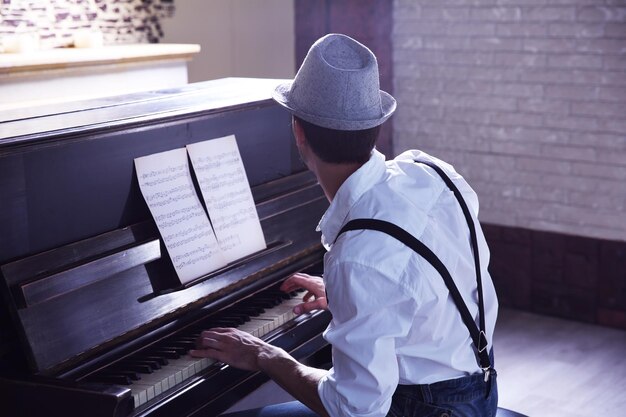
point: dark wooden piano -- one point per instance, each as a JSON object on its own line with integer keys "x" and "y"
{"x": 93, "y": 321}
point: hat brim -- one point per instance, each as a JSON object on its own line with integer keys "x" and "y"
{"x": 388, "y": 104}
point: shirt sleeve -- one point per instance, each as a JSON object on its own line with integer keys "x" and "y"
{"x": 369, "y": 311}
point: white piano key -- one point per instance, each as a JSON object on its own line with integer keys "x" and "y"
{"x": 159, "y": 381}
{"x": 139, "y": 394}
{"x": 142, "y": 392}
{"x": 158, "y": 388}
{"x": 175, "y": 372}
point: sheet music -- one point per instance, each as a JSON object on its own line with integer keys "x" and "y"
{"x": 167, "y": 187}
{"x": 226, "y": 192}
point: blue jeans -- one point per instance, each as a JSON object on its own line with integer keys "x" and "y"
{"x": 469, "y": 396}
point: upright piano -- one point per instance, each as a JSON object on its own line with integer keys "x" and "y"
{"x": 93, "y": 321}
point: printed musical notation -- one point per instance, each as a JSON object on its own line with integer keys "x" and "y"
{"x": 195, "y": 245}
{"x": 227, "y": 195}
{"x": 166, "y": 184}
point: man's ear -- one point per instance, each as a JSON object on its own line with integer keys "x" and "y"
{"x": 298, "y": 133}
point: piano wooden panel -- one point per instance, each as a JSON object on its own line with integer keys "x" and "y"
{"x": 115, "y": 295}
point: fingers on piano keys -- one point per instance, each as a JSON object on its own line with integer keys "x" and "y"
{"x": 166, "y": 364}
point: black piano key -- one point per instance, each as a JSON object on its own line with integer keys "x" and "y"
{"x": 222, "y": 323}
{"x": 180, "y": 350}
{"x": 250, "y": 308}
{"x": 186, "y": 338}
{"x": 183, "y": 341}
{"x": 154, "y": 365}
{"x": 258, "y": 304}
{"x": 266, "y": 304}
{"x": 139, "y": 368}
{"x": 197, "y": 331}
{"x": 274, "y": 298}
{"x": 281, "y": 295}
{"x": 159, "y": 359}
{"x": 235, "y": 319}
{"x": 111, "y": 379}
{"x": 250, "y": 311}
{"x": 180, "y": 347}
{"x": 164, "y": 353}
{"x": 267, "y": 300}
{"x": 195, "y": 334}
{"x": 133, "y": 376}
{"x": 239, "y": 316}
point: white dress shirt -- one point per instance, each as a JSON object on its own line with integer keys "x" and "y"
{"x": 393, "y": 320}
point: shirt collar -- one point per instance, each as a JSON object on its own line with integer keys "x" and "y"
{"x": 348, "y": 194}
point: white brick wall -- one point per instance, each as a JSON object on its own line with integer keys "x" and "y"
{"x": 527, "y": 98}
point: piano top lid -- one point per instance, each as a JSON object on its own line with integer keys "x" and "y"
{"x": 28, "y": 125}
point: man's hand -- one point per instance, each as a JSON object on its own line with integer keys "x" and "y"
{"x": 233, "y": 347}
{"x": 314, "y": 299}
{"x": 244, "y": 351}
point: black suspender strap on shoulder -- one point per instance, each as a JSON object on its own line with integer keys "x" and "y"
{"x": 474, "y": 243}
{"x": 476, "y": 333}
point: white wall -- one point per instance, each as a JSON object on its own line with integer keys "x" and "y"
{"x": 527, "y": 101}
{"x": 239, "y": 38}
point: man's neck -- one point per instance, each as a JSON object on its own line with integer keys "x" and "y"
{"x": 331, "y": 176}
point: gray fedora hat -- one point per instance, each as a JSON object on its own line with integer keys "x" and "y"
{"x": 337, "y": 87}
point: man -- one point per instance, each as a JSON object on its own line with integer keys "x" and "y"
{"x": 401, "y": 344}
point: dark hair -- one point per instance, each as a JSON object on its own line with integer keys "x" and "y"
{"x": 340, "y": 146}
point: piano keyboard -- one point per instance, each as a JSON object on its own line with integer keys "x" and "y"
{"x": 161, "y": 367}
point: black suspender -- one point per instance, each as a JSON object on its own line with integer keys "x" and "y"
{"x": 476, "y": 333}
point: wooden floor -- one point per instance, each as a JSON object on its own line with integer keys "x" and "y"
{"x": 558, "y": 368}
